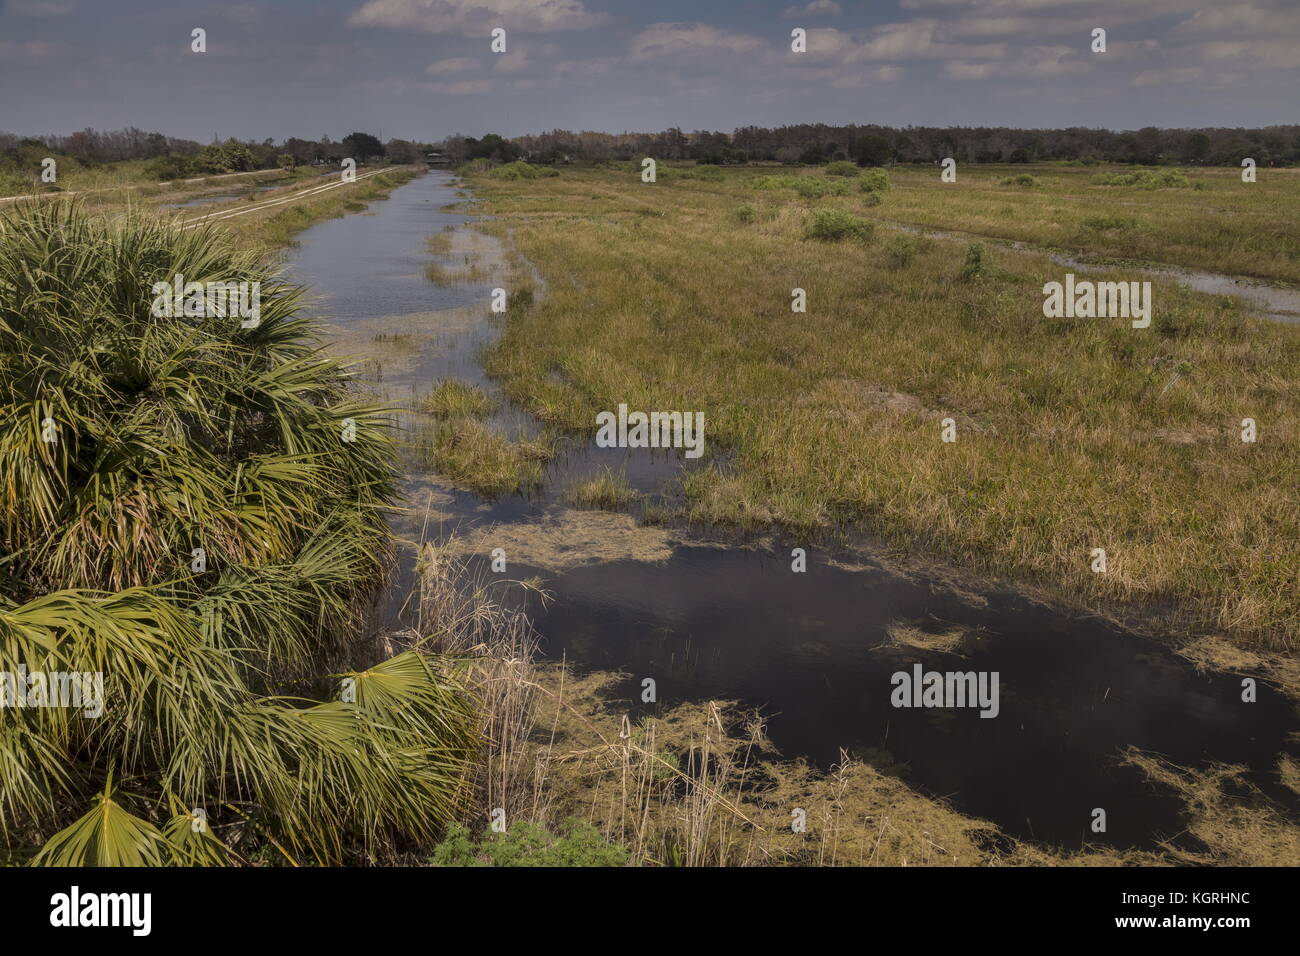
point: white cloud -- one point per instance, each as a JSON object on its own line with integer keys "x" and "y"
{"x": 818, "y": 8}
{"x": 476, "y": 17}
{"x": 1178, "y": 74}
{"x": 452, "y": 66}
{"x": 663, "y": 40}
{"x": 1247, "y": 20}
{"x": 460, "y": 87}
{"x": 921, "y": 39}
{"x": 515, "y": 62}
{"x": 881, "y": 74}
{"x": 960, "y": 70}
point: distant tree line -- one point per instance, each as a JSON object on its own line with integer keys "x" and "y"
{"x": 809, "y": 143}
{"x": 172, "y": 158}
{"x": 884, "y": 145}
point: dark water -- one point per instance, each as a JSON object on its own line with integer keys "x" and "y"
{"x": 733, "y": 621}
{"x": 372, "y": 264}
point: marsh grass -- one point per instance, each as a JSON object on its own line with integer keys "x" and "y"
{"x": 1222, "y": 225}
{"x": 607, "y": 491}
{"x": 452, "y": 398}
{"x": 474, "y": 455}
{"x": 1065, "y": 445}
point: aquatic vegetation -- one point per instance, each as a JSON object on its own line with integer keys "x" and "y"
{"x": 608, "y": 491}
{"x": 452, "y": 398}
{"x": 473, "y": 454}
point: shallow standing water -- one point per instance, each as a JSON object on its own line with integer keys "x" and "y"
{"x": 735, "y": 622}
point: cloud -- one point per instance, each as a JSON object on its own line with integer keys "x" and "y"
{"x": 32, "y": 50}
{"x": 460, "y": 87}
{"x": 822, "y": 8}
{"x": 921, "y": 39}
{"x": 881, "y": 74}
{"x": 453, "y": 65}
{"x": 515, "y": 62}
{"x": 1259, "y": 54}
{"x": 474, "y": 18}
{"x": 665, "y": 40}
{"x": 960, "y": 70}
{"x": 1248, "y": 20}
{"x": 38, "y": 8}
{"x": 1178, "y": 74}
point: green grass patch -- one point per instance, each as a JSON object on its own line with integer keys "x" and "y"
{"x": 452, "y": 398}
{"x": 607, "y": 491}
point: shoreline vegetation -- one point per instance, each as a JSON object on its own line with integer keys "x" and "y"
{"x": 579, "y": 782}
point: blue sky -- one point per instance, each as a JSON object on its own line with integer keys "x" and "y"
{"x": 422, "y": 69}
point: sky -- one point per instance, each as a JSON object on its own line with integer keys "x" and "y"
{"x": 423, "y": 69}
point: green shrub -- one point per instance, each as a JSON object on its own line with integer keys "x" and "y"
{"x": 522, "y": 170}
{"x": 745, "y": 213}
{"x": 874, "y": 181}
{"x": 1021, "y": 179}
{"x": 809, "y": 187}
{"x": 832, "y": 225}
{"x": 175, "y": 439}
{"x": 976, "y": 265}
{"x": 872, "y": 199}
{"x": 901, "y": 250}
{"x": 578, "y": 843}
{"x": 842, "y": 167}
{"x": 1146, "y": 179}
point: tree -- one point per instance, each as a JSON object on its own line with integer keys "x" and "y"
{"x": 362, "y": 147}
{"x": 1198, "y": 147}
{"x": 871, "y": 150}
